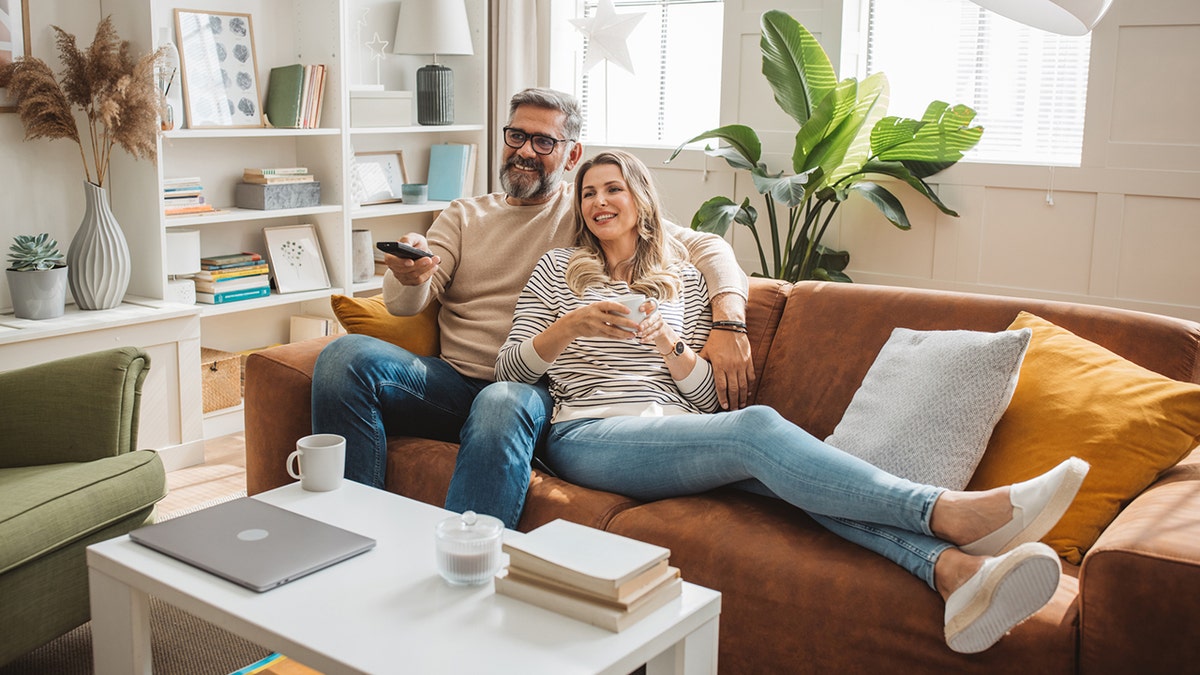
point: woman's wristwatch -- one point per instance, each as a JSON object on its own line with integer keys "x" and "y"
{"x": 675, "y": 351}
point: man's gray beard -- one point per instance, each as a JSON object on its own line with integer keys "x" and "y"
{"x": 519, "y": 186}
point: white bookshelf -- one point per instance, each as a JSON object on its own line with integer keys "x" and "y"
{"x": 285, "y": 32}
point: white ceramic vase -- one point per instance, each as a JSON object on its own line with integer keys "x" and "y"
{"x": 98, "y": 259}
{"x": 363, "y": 255}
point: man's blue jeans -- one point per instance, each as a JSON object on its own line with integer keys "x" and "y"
{"x": 651, "y": 458}
{"x": 365, "y": 389}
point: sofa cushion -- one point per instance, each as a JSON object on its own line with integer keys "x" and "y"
{"x": 1077, "y": 398}
{"x": 47, "y": 507}
{"x": 369, "y": 316}
{"x": 926, "y": 408}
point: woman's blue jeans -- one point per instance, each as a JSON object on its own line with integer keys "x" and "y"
{"x": 651, "y": 458}
{"x": 366, "y": 389}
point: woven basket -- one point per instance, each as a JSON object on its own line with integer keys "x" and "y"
{"x": 220, "y": 378}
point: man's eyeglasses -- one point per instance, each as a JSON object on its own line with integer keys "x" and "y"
{"x": 542, "y": 145}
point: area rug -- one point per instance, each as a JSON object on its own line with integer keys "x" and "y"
{"x": 180, "y": 643}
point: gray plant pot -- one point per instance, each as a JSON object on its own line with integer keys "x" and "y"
{"x": 39, "y": 294}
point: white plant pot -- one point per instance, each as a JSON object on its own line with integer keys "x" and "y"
{"x": 38, "y": 294}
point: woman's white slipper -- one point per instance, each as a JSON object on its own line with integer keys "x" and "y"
{"x": 1037, "y": 504}
{"x": 1003, "y": 593}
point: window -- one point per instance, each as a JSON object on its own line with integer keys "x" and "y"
{"x": 674, "y": 92}
{"x": 1028, "y": 87}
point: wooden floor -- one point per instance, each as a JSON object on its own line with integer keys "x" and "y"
{"x": 223, "y": 474}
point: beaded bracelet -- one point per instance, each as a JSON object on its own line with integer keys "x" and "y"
{"x": 734, "y": 324}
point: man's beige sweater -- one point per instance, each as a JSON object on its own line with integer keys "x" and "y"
{"x": 488, "y": 249}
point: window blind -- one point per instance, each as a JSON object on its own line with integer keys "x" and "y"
{"x": 1029, "y": 87}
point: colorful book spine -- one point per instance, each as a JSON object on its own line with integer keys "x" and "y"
{"x": 230, "y": 258}
{"x": 233, "y": 272}
{"x": 276, "y": 171}
{"x": 232, "y": 296}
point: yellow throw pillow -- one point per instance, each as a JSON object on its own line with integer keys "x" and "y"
{"x": 369, "y": 316}
{"x": 1075, "y": 397}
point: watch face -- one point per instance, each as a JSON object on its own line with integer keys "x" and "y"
{"x": 679, "y": 347}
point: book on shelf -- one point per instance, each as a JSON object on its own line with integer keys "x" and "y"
{"x": 211, "y": 267}
{"x": 592, "y": 560}
{"x": 448, "y": 164}
{"x": 218, "y": 286}
{"x": 276, "y": 171}
{"x": 231, "y": 258}
{"x": 277, "y": 180}
{"x": 294, "y": 94}
{"x": 232, "y": 272}
{"x": 607, "y": 616}
{"x": 188, "y": 210}
{"x": 181, "y": 182}
{"x": 232, "y": 296}
{"x": 173, "y": 201}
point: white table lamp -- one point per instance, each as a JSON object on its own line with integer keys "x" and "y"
{"x": 183, "y": 258}
{"x": 1065, "y": 17}
{"x": 433, "y": 27}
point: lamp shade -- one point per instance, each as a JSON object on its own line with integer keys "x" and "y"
{"x": 432, "y": 27}
{"x": 1065, "y": 17}
{"x": 183, "y": 251}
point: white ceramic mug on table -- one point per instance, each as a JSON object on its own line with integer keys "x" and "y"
{"x": 322, "y": 462}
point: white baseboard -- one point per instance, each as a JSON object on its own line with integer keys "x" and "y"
{"x": 182, "y": 456}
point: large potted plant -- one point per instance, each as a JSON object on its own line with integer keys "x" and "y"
{"x": 37, "y": 277}
{"x": 844, "y": 138}
{"x": 117, "y": 95}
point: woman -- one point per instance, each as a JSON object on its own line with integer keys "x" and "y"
{"x": 630, "y": 418}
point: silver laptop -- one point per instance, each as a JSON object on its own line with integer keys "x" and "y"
{"x": 252, "y": 543}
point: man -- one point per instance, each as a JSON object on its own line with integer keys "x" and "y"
{"x": 484, "y": 249}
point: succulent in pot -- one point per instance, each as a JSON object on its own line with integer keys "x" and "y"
{"x": 37, "y": 277}
{"x": 34, "y": 252}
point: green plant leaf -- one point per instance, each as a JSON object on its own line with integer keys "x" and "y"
{"x": 900, "y": 172}
{"x": 790, "y": 190}
{"x": 937, "y": 141}
{"x": 742, "y": 140}
{"x": 716, "y": 214}
{"x": 885, "y": 201}
{"x": 853, "y": 136}
{"x": 813, "y": 140}
{"x": 795, "y": 65}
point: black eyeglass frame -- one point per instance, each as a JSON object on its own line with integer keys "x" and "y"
{"x": 531, "y": 140}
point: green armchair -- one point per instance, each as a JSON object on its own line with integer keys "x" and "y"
{"x": 69, "y": 477}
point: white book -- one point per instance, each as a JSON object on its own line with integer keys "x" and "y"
{"x": 595, "y": 613}
{"x": 596, "y": 561}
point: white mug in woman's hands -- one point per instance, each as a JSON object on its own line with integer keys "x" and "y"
{"x": 633, "y": 302}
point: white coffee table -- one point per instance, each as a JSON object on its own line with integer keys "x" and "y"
{"x": 386, "y": 611}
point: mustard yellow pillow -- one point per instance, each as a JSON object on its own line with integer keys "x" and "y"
{"x": 1075, "y": 397}
{"x": 369, "y": 316}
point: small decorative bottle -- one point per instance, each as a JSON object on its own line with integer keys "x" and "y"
{"x": 166, "y": 71}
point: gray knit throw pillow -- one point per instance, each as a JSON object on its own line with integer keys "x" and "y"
{"x": 927, "y": 406}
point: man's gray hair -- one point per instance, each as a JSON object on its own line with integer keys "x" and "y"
{"x": 551, "y": 99}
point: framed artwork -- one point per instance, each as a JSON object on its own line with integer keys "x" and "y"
{"x": 295, "y": 256}
{"x": 14, "y": 40}
{"x": 376, "y": 177}
{"x": 220, "y": 69}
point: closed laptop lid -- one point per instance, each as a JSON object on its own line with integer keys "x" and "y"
{"x": 252, "y": 543}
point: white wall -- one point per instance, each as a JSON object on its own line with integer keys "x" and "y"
{"x": 1124, "y": 230}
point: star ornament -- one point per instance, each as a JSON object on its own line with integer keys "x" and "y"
{"x": 607, "y": 33}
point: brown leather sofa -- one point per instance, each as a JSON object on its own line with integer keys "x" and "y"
{"x": 797, "y": 598}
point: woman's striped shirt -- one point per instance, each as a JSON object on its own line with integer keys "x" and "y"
{"x": 603, "y": 377}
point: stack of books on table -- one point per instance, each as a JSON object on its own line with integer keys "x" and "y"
{"x": 184, "y": 196}
{"x": 587, "y": 574}
{"x": 232, "y": 277}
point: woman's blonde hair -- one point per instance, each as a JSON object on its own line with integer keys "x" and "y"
{"x": 656, "y": 253}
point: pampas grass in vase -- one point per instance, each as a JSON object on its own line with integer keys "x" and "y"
{"x": 117, "y": 95}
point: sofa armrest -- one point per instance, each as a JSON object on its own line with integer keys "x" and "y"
{"x": 100, "y": 393}
{"x": 1138, "y": 583}
{"x": 277, "y": 409}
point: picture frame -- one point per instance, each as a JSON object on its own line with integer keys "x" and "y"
{"x": 297, "y": 264}
{"x": 220, "y": 69}
{"x": 14, "y": 41}
{"x": 376, "y": 177}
